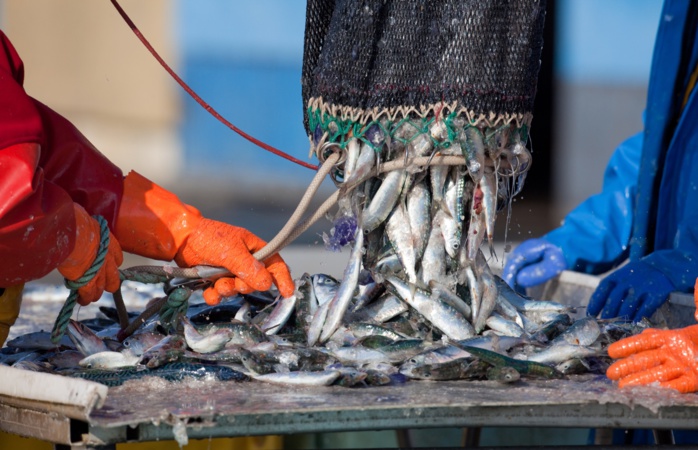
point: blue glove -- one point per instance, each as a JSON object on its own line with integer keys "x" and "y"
{"x": 533, "y": 262}
{"x": 634, "y": 291}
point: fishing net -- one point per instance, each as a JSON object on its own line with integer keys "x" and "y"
{"x": 389, "y": 81}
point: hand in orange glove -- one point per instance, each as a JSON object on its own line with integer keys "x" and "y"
{"x": 153, "y": 222}
{"x": 664, "y": 357}
{"x": 87, "y": 239}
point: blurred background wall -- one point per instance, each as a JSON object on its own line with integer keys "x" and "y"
{"x": 244, "y": 58}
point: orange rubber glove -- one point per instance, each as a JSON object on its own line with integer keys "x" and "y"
{"x": 87, "y": 238}
{"x": 153, "y": 222}
{"x": 666, "y": 358}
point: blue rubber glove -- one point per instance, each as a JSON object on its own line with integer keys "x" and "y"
{"x": 533, "y": 262}
{"x": 634, "y": 291}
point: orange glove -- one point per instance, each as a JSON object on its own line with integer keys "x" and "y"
{"x": 664, "y": 357}
{"x": 153, "y": 222}
{"x": 87, "y": 238}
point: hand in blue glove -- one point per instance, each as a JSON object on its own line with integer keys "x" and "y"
{"x": 533, "y": 262}
{"x": 634, "y": 291}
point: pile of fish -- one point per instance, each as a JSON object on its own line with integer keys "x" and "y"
{"x": 417, "y": 299}
{"x": 391, "y": 332}
{"x": 422, "y": 226}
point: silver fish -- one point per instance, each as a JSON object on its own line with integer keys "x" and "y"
{"x": 300, "y": 378}
{"x": 488, "y": 185}
{"x": 433, "y": 263}
{"x": 383, "y": 309}
{"x": 139, "y": 343}
{"x": 352, "y": 155}
{"x": 583, "y": 332}
{"x": 526, "y": 304}
{"x": 442, "y": 315}
{"x": 477, "y": 226}
{"x": 446, "y": 294}
{"x": 324, "y": 288}
{"x": 358, "y": 355}
{"x": 558, "y": 353}
{"x": 398, "y": 230}
{"x": 315, "y": 328}
{"x": 109, "y": 360}
{"x": 384, "y": 200}
{"x": 340, "y": 302}
{"x": 212, "y": 340}
{"x": 504, "y": 326}
{"x": 450, "y": 230}
{"x": 488, "y": 300}
{"x": 419, "y": 215}
{"x": 85, "y": 340}
{"x": 366, "y": 161}
{"x": 280, "y": 314}
{"x": 474, "y": 152}
{"x": 244, "y": 314}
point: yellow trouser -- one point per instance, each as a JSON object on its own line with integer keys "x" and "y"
{"x": 10, "y": 300}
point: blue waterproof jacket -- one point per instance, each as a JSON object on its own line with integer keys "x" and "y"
{"x": 648, "y": 207}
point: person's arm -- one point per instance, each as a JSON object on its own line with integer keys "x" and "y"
{"x": 594, "y": 236}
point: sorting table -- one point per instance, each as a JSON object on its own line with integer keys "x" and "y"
{"x": 89, "y": 414}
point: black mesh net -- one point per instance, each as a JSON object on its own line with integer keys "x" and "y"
{"x": 371, "y": 57}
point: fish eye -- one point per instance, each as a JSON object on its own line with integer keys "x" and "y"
{"x": 127, "y": 343}
{"x": 89, "y": 366}
{"x": 456, "y": 245}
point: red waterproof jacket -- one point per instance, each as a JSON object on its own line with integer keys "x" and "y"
{"x": 46, "y": 164}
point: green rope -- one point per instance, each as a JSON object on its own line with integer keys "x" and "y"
{"x": 177, "y": 303}
{"x": 61, "y": 324}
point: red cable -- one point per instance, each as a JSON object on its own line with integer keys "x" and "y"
{"x": 199, "y": 100}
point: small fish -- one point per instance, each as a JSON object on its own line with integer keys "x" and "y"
{"x": 433, "y": 263}
{"x": 85, "y": 340}
{"x": 419, "y": 215}
{"x": 528, "y": 368}
{"x": 488, "y": 186}
{"x": 353, "y": 149}
{"x": 253, "y": 363}
{"x": 210, "y": 341}
{"x": 169, "y": 372}
{"x": 316, "y": 324}
{"x": 38, "y": 340}
{"x": 280, "y": 314}
{"x": 340, "y": 302}
{"x": 584, "y": 331}
{"x": 397, "y": 228}
{"x": 362, "y": 329}
{"x": 474, "y": 151}
{"x": 109, "y": 360}
{"x": 504, "y": 326}
{"x": 307, "y": 303}
{"x": 442, "y": 315}
{"x": 526, "y": 304}
{"x": 358, "y": 355}
{"x": 384, "y": 200}
{"x": 324, "y": 288}
{"x": 139, "y": 343}
{"x": 367, "y": 294}
{"x": 244, "y": 314}
{"x": 555, "y": 354}
{"x": 477, "y": 226}
{"x": 169, "y": 349}
{"x": 456, "y": 369}
{"x": 300, "y": 378}
{"x": 503, "y": 374}
{"x": 365, "y": 162}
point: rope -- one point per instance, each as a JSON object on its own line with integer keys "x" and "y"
{"x": 198, "y": 99}
{"x": 169, "y": 307}
{"x": 176, "y": 304}
{"x": 61, "y": 324}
